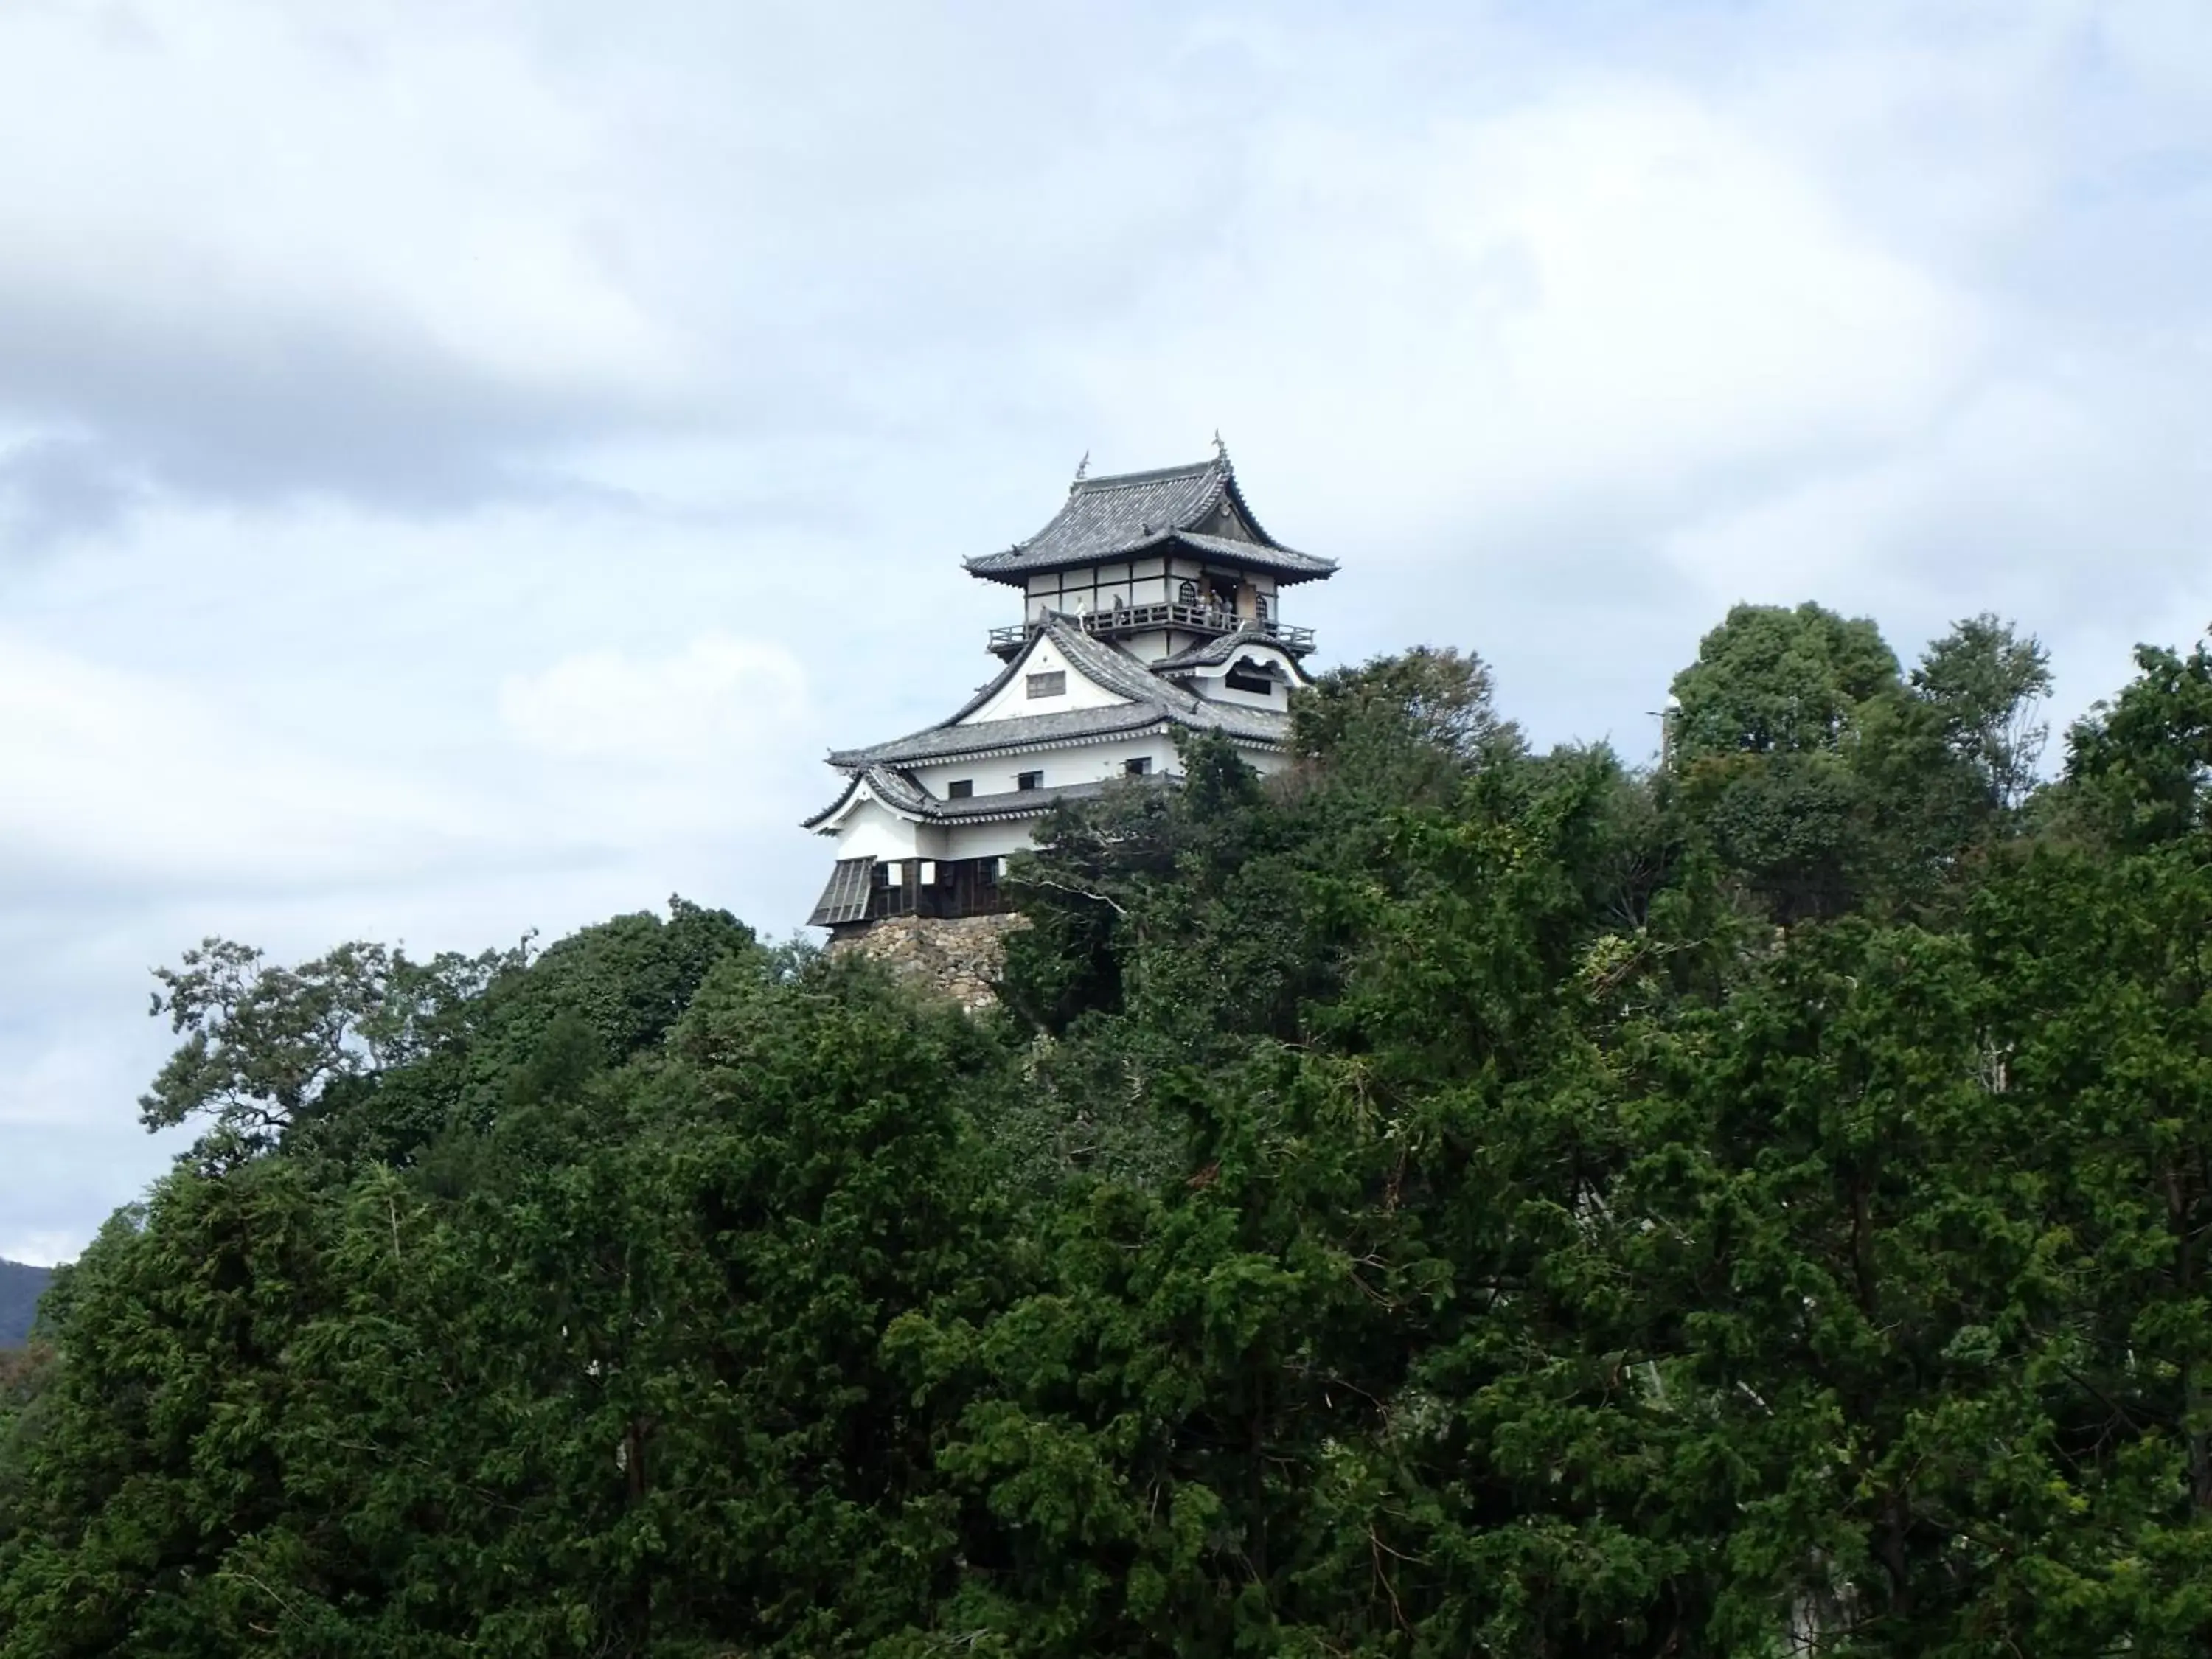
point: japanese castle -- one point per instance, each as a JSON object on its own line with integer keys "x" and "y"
{"x": 1150, "y": 603}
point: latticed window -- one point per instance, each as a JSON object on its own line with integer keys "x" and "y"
{"x": 1053, "y": 684}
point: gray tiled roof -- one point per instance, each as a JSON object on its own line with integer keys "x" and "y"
{"x": 897, "y": 789}
{"x": 1116, "y": 670}
{"x": 1287, "y": 563}
{"x": 1016, "y": 803}
{"x": 950, "y": 742}
{"x": 1212, "y": 653}
{"x": 1104, "y": 663}
{"x": 900, "y": 791}
{"x": 1113, "y": 517}
{"x": 1152, "y": 701}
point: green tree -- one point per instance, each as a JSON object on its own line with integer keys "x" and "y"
{"x": 2136, "y": 767}
{"x": 364, "y": 1053}
{"x": 1828, "y": 782}
{"x": 151, "y": 1466}
{"x": 1774, "y": 681}
{"x": 1762, "y": 736}
{"x": 2097, "y": 1041}
{"x": 1985, "y": 683}
{"x": 1417, "y": 1204}
{"x": 263, "y": 1045}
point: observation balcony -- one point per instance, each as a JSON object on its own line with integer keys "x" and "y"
{"x": 1127, "y": 619}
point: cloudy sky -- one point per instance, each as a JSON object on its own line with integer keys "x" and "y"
{"x": 462, "y": 462}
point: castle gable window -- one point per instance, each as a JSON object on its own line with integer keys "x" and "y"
{"x": 960, "y": 789}
{"x": 1052, "y": 684}
{"x": 1247, "y": 674}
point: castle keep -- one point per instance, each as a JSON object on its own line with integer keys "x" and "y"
{"x": 1151, "y": 602}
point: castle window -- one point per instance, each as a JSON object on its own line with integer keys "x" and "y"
{"x": 1141, "y": 766}
{"x": 1247, "y": 675}
{"x": 960, "y": 789}
{"x": 1029, "y": 780}
{"x": 1053, "y": 684}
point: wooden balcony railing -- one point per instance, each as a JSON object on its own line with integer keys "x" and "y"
{"x": 1125, "y": 619}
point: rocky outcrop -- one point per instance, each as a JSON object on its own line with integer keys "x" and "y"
{"x": 960, "y": 957}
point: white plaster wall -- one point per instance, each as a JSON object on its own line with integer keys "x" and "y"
{"x": 869, "y": 831}
{"x": 1159, "y": 751}
{"x": 1215, "y": 688}
{"x": 1095, "y": 587}
{"x": 1013, "y": 698}
{"x": 991, "y": 777}
{"x": 995, "y": 776}
{"x": 1146, "y": 647}
{"x": 988, "y": 841}
{"x": 1108, "y": 760}
{"x": 1212, "y": 683}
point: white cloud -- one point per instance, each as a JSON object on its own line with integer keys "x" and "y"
{"x": 1614, "y": 289}
{"x": 2162, "y": 47}
{"x": 49, "y": 1090}
{"x": 40, "y": 1248}
{"x": 123, "y": 777}
{"x": 718, "y": 701}
{"x": 258, "y": 164}
{"x": 262, "y": 250}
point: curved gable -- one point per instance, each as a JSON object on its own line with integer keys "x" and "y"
{"x": 1045, "y": 677}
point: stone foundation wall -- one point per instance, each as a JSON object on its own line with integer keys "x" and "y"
{"x": 958, "y": 956}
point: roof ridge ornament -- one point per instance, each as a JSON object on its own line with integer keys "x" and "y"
{"x": 1082, "y": 467}
{"x": 1221, "y": 450}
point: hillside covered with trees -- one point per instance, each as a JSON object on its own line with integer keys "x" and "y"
{"x": 21, "y": 1287}
{"x": 1449, "y": 1199}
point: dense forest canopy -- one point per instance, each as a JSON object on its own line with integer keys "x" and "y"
{"x": 1445, "y": 1198}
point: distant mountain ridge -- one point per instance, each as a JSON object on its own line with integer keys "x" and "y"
{"x": 21, "y": 1287}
